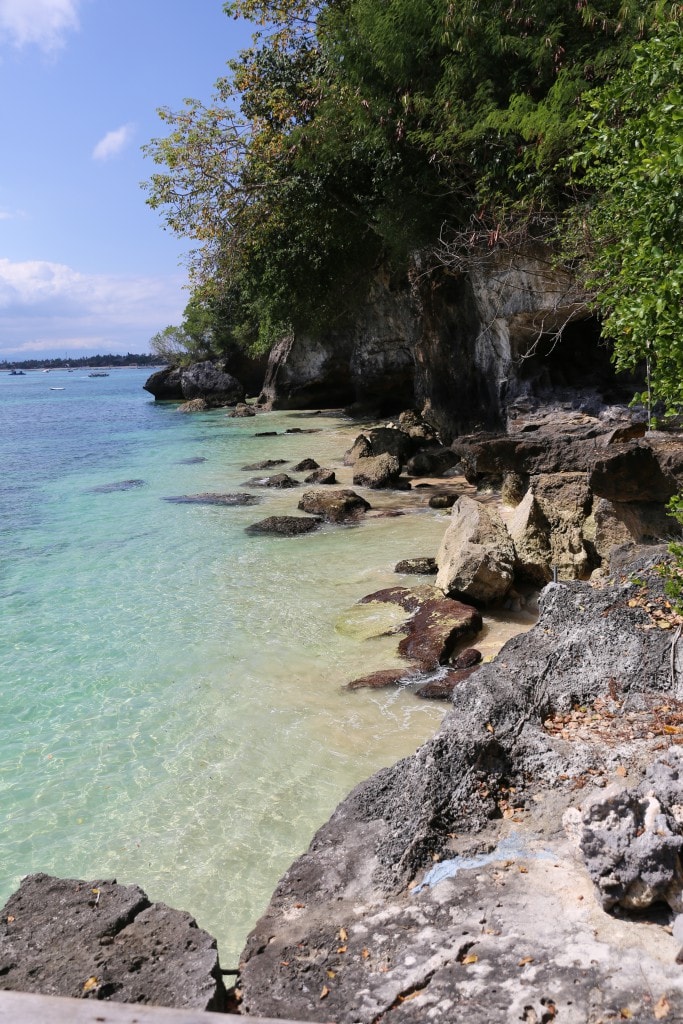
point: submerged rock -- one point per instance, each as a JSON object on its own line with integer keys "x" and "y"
{"x": 381, "y": 679}
{"x": 264, "y": 464}
{"x": 119, "y": 485}
{"x": 285, "y": 526}
{"x": 100, "y": 940}
{"x": 239, "y": 498}
{"x": 278, "y": 480}
{"x": 442, "y": 688}
{"x": 194, "y": 405}
{"x": 242, "y": 411}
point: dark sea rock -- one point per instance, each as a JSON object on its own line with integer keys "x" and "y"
{"x": 165, "y": 384}
{"x": 194, "y": 405}
{"x": 278, "y": 480}
{"x": 382, "y": 678}
{"x": 442, "y": 500}
{"x": 242, "y": 411}
{"x": 100, "y": 940}
{"x": 210, "y": 380}
{"x": 321, "y": 476}
{"x": 442, "y": 688}
{"x": 194, "y": 460}
{"x": 305, "y": 466}
{"x": 303, "y": 430}
{"x": 239, "y": 498}
{"x": 423, "y": 566}
{"x": 266, "y": 433}
{"x": 120, "y": 485}
{"x": 435, "y": 630}
{"x": 285, "y": 526}
{"x": 334, "y": 506}
{"x": 264, "y": 464}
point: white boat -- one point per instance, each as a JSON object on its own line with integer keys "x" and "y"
{"x": 98, "y": 373}
{"x": 56, "y": 389}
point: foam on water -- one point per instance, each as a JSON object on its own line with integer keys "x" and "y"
{"x": 172, "y": 709}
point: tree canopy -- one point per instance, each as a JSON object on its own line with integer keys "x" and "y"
{"x": 631, "y": 229}
{"x": 352, "y": 131}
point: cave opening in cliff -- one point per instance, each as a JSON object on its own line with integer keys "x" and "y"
{"x": 578, "y": 359}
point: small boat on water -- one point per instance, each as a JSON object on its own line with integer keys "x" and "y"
{"x": 17, "y": 373}
{"x": 98, "y": 373}
{"x": 56, "y": 389}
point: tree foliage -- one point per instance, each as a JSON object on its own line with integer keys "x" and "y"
{"x": 632, "y": 229}
{"x": 352, "y": 130}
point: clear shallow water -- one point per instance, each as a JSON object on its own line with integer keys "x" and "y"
{"x": 172, "y": 710}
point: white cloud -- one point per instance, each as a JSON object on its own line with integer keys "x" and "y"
{"x": 43, "y": 23}
{"x": 50, "y": 306}
{"x": 113, "y": 142}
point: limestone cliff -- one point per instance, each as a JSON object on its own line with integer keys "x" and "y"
{"x": 462, "y": 347}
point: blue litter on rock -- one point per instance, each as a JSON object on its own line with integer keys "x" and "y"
{"x": 513, "y": 847}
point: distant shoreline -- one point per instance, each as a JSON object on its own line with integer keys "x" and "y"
{"x": 110, "y": 362}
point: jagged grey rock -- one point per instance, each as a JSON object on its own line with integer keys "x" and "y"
{"x": 100, "y": 940}
{"x": 477, "y": 556}
{"x": 631, "y": 839}
{"x": 512, "y": 926}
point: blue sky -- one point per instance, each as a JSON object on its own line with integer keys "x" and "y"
{"x": 85, "y": 265}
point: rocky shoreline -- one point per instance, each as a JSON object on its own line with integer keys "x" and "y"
{"x": 452, "y": 884}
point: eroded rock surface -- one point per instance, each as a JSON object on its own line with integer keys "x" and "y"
{"x": 100, "y": 940}
{"x": 285, "y": 526}
{"x": 445, "y": 888}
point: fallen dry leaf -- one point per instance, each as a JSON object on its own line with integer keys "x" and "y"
{"x": 90, "y": 984}
{"x": 661, "y": 1008}
{"x": 489, "y": 727}
{"x": 343, "y": 934}
{"x": 524, "y": 871}
{"x": 525, "y": 960}
{"x": 625, "y": 1013}
{"x": 621, "y": 771}
{"x": 331, "y": 974}
{"x": 325, "y": 992}
{"x": 365, "y": 953}
{"x": 411, "y": 995}
{"x": 10, "y": 919}
{"x": 470, "y": 959}
{"x": 342, "y": 949}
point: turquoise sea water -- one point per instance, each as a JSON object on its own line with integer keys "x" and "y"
{"x": 172, "y": 710}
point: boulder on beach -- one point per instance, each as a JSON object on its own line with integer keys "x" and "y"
{"x": 194, "y": 405}
{"x": 377, "y": 472}
{"x": 442, "y": 500}
{"x": 305, "y": 466}
{"x": 321, "y": 476}
{"x": 334, "y": 506}
{"x": 477, "y": 556}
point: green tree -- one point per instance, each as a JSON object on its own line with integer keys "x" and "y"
{"x": 631, "y": 232}
{"x": 352, "y": 130}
